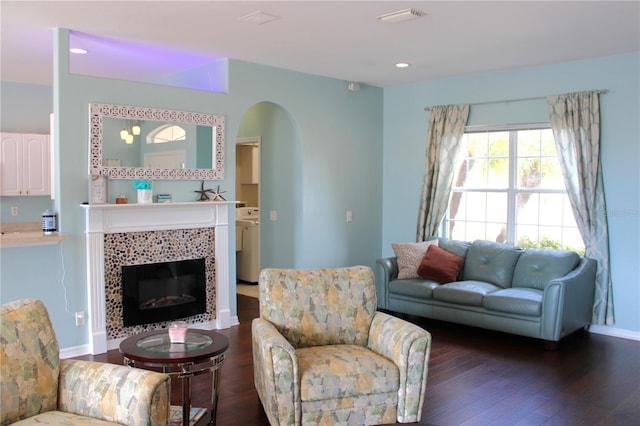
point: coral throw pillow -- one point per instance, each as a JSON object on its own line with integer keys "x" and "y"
{"x": 408, "y": 256}
{"x": 440, "y": 265}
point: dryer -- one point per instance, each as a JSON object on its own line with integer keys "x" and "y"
{"x": 248, "y": 257}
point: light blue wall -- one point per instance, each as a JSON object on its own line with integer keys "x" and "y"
{"x": 339, "y": 143}
{"x": 405, "y": 129}
{"x": 29, "y": 208}
{"x": 24, "y": 108}
{"x": 340, "y": 160}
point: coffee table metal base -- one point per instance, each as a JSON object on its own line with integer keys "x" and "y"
{"x": 185, "y": 371}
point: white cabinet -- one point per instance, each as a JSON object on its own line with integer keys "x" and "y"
{"x": 250, "y": 163}
{"x": 24, "y": 164}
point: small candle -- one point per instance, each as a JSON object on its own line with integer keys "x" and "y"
{"x": 178, "y": 332}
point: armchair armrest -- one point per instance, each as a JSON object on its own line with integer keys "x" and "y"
{"x": 114, "y": 392}
{"x": 389, "y": 268}
{"x": 567, "y": 302}
{"x": 408, "y": 346}
{"x": 276, "y": 373}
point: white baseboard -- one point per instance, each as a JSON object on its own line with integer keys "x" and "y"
{"x": 74, "y": 351}
{"x": 615, "y": 332}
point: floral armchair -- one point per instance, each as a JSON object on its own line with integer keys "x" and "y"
{"x": 37, "y": 387}
{"x": 323, "y": 355}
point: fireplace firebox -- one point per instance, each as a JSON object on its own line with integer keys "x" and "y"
{"x": 165, "y": 291}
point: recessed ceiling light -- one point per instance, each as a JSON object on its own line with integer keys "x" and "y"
{"x": 400, "y": 16}
{"x": 403, "y": 65}
{"x": 258, "y": 18}
{"x": 78, "y": 50}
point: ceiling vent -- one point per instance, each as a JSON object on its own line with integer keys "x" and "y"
{"x": 400, "y": 16}
{"x": 258, "y": 18}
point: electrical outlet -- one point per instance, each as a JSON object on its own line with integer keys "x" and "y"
{"x": 14, "y": 210}
{"x": 349, "y": 215}
{"x": 273, "y": 215}
{"x": 79, "y": 318}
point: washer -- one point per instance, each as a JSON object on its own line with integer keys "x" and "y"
{"x": 248, "y": 258}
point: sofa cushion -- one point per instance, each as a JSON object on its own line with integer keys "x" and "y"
{"x": 536, "y": 267}
{"x": 413, "y": 287}
{"x": 456, "y": 247}
{"x": 440, "y": 265}
{"x": 464, "y": 292}
{"x": 301, "y": 304}
{"x": 524, "y": 301}
{"x": 491, "y": 262}
{"x": 409, "y": 256}
{"x": 341, "y": 371}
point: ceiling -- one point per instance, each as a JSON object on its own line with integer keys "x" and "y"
{"x": 339, "y": 39}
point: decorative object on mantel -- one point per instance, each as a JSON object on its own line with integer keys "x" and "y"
{"x": 216, "y": 194}
{"x": 121, "y": 199}
{"x": 203, "y": 192}
{"x": 145, "y": 196}
{"x": 98, "y": 189}
{"x": 164, "y": 198}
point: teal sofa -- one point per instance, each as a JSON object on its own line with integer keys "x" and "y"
{"x": 539, "y": 293}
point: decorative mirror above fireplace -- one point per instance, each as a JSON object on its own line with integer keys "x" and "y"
{"x": 129, "y": 142}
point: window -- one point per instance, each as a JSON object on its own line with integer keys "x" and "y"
{"x": 166, "y": 133}
{"x": 509, "y": 188}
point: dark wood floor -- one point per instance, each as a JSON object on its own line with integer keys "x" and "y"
{"x": 476, "y": 377}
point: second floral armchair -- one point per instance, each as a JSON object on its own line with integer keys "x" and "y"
{"x": 322, "y": 354}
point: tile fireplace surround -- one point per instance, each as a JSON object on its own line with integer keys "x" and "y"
{"x": 155, "y": 223}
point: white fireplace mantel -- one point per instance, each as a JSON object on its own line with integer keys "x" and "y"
{"x": 104, "y": 219}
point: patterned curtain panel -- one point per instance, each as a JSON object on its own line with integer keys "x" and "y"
{"x": 446, "y": 128}
{"x": 575, "y": 119}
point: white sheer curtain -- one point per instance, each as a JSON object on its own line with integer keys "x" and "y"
{"x": 446, "y": 128}
{"x": 575, "y": 119}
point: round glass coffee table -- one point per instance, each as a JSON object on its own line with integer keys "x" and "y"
{"x": 202, "y": 352}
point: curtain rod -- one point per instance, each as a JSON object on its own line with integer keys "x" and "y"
{"x": 603, "y": 91}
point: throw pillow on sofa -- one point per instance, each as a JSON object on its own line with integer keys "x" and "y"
{"x": 409, "y": 256}
{"x": 440, "y": 266}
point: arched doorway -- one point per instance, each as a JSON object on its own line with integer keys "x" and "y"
{"x": 276, "y": 189}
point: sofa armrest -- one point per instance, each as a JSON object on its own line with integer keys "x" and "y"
{"x": 567, "y": 302}
{"x": 389, "y": 272}
{"x": 114, "y": 393}
{"x": 408, "y": 346}
{"x": 275, "y": 373}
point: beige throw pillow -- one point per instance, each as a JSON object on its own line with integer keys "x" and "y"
{"x": 409, "y": 256}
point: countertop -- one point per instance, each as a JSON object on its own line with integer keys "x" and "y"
{"x": 21, "y": 234}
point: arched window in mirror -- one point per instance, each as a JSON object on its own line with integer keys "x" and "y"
{"x": 166, "y": 133}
